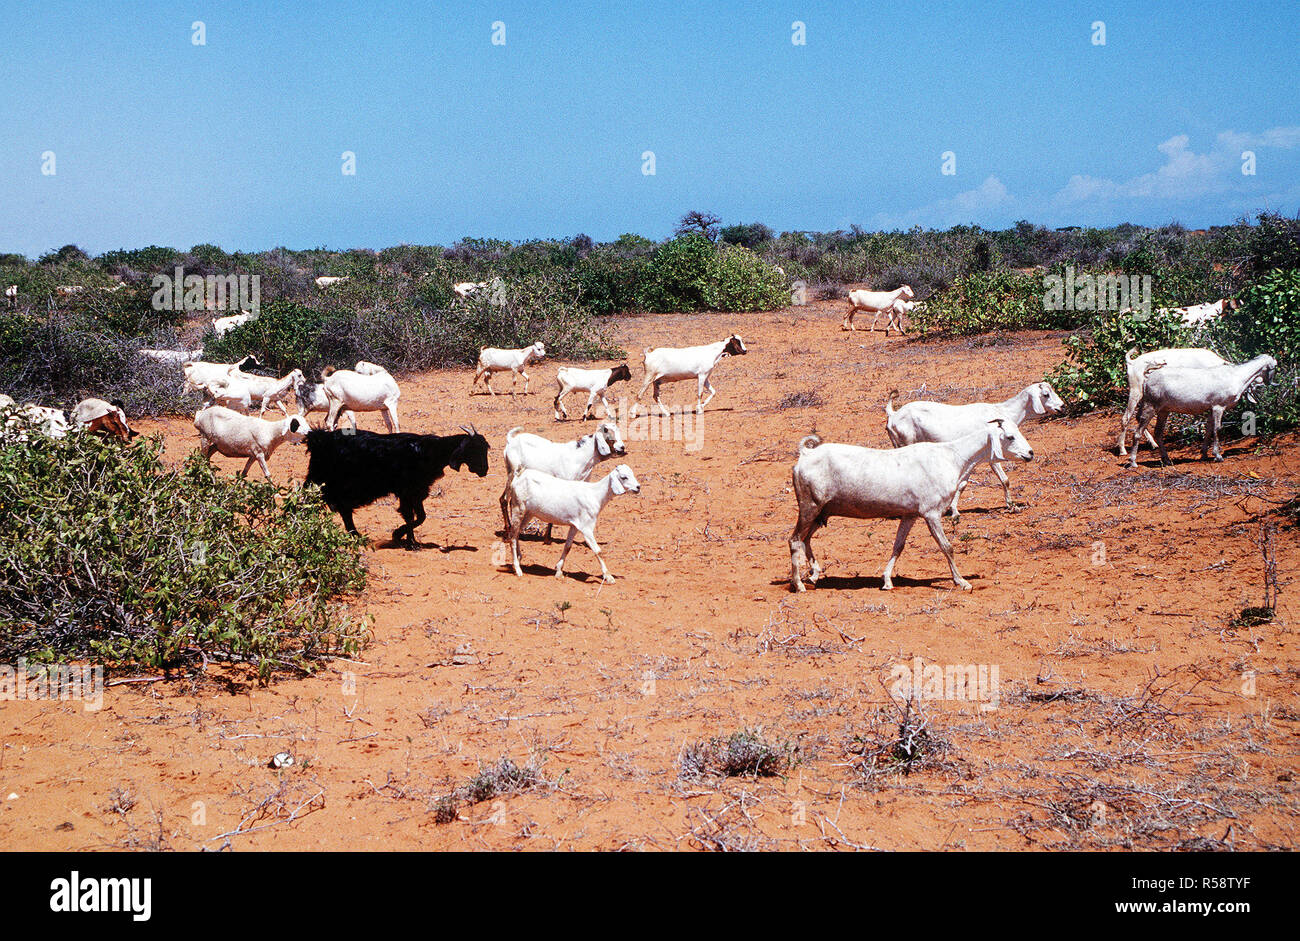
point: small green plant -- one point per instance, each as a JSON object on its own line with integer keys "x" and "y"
{"x": 504, "y": 777}
{"x": 745, "y": 752}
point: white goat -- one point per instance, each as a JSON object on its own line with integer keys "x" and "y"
{"x": 241, "y": 390}
{"x": 367, "y": 388}
{"x": 918, "y": 481}
{"x": 679, "y": 363}
{"x": 199, "y": 374}
{"x": 53, "y": 422}
{"x": 1197, "y": 314}
{"x": 595, "y": 382}
{"x": 1208, "y": 391}
{"x": 874, "y": 301}
{"x": 575, "y": 503}
{"x": 896, "y": 312}
{"x": 173, "y": 357}
{"x": 223, "y": 325}
{"x": 11, "y": 292}
{"x": 568, "y": 460}
{"x": 491, "y": 359}
{"x": 466, "y": 288}
{"x": 226, "y": 431}
{"x": 67, "y": 290}
{"x": 311, "y": 397}
{"x": 325, "y": 281}
{"x": 1137, "y": 367}
{"x": 938, "y": 421}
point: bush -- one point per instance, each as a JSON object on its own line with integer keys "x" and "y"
{"x": 1268, "y": 320}
{"x": 677, "y": 276}
{"x": 750, "y": 235}
{"x": 981, "y": 301}
{"x": 106, "y": 554}
{"x": 738, "y": 280}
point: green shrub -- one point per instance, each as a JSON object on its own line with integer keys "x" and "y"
{"x": 1268, "y": 320}
{"x": 738, "y": 280}
{"x": 981, "y": 301}
{"x": 677, "y": 276}
{"x": 106, "y": 554}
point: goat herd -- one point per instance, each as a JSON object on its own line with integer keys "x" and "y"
{"x": 936, "y": 446}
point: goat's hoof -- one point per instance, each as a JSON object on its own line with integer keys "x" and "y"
{"x": 887, "y": 586}
{"x": 608, "y": 579}
{"x": 964, "y": 585}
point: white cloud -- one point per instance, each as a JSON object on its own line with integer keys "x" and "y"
{"x": 1184, "y": 174}
{"x": 989, "y": 196}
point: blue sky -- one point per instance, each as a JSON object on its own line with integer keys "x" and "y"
{"x": 239, "y": 141}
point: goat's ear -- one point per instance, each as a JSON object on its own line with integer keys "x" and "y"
{"x": 995, "y": 441}
{"x": 602, "y": 445}
{"x": 616, "y": 485}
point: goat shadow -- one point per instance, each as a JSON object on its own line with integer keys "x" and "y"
{"x": 401, "y": 544}
{"x": 1151, "y": 459}
{"x": 536, "y": 568}
{"x": 852, "y": 582}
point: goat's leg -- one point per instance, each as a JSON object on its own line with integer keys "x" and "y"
{"x": 640, "y": 395}
{"x": 936, "y": 530}
{"x": 609, "y": 412}
{"x": 505, "y": 507}
{"x": 1130, "y": 415}
{"x": 332, "y": 419}
{"x": 261, "y": 459}
{"x": 1161, "y": 419}
{"x": 1006, "y": 484}
{"x": 346, "y": 515}
{"x": 524, "y": 373}
{"x": 848, "y": 318}
{"x": 662, "y": 408}
{"x": 519, "y": 519}
{"x": 559, "y": 404}
{"x": 591, "y": 403}
{"x": 709, "y": 387}
{"x": 900, "y": 539}
{"x": 568, "y": 544}
{"x": 487, "y": 381}
{"x": 390, "y": 417}
{"x": 590, "y": 537}
{"x": 1213, "y": 421}
{"x": 1143, "y": 416}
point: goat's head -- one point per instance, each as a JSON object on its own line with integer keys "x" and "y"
{"x": 471, "y": 452}
{"x": 609, "y": 441}
{"x": 1269, "y": 369}
{"x": 538, "y": 350}
{"x": 1006, "y": 440}
{"x": 735, "y": 346}
{"x": 622, "y": 480}
{"x": 1044, "y": 400}
{"x": 906, "y": 291}
{"x": 296, "y": 428}
{"x": 620, "y": 373}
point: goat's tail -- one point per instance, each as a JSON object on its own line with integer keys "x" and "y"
{"x": 510, "y": 435}
{"x": 889, "y": 404}
{"x": 1131, "y": 355}
{"x": 1152, "y": 368}
{"x": 808, "y": 442}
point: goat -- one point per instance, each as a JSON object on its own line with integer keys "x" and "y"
{"x": 325, "y": 281}
{"x": 173, "y": 357}
{"x": 311, "y": 397}
{"x": 595, "y": 382}
{"x": 874, "y": 301}
{"x": 67, "y": 290}
{"x": 896, "y": 312}
{"x": 199, "y": 375}
{"x": 1136, "y": 367}
{"x": 11, "y": 293}
{"x": 576, "y": 503}
{"x": 240, "y": 390}
{"x": 367, "y": 388}
{"x": 568, "y": 460}
{"x": 103, "y": 417}
{"x": 51, "y": 422}
{"x": 233, "y": 434}
{"x": 676, "y": 364}
{"x": 1208, "y": 391}
{"x": 1197, "y": 314}
{"x": 916, "y": 481}
{"x": 938, "y": 421}
{"x": 491, "y": 359}
{"x": 466, "y": 288}
{"x": 223, "y": 325}
{"x": 356, "y": 468}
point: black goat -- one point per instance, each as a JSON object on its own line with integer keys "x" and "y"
{"x": 356, "y": 468}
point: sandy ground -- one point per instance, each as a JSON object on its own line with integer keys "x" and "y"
{"x": 1128, "y": 711}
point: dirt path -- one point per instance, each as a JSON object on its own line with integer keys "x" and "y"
{"x": 1128, "y": 712}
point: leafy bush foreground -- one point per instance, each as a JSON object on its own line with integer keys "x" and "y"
{"x": 106, "y": 554}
